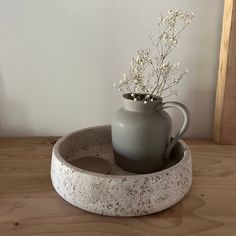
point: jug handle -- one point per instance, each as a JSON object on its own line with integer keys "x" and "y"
{"x": 184, "y": 127}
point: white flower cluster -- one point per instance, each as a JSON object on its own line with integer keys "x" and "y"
{"x": 151, "y": 73}
{"x": 173, "y": 15}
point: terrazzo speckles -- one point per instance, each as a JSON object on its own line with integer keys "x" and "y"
{"x": 121, "y": 193}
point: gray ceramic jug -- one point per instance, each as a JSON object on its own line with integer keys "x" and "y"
{"x": 141, "y": 134}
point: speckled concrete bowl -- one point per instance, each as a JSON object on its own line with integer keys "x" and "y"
{"x": 120, "y": 193}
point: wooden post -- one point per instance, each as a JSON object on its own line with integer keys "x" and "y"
{"x": 225, "y": 108}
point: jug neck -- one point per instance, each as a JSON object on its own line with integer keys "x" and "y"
{"x": 140, "y": 106}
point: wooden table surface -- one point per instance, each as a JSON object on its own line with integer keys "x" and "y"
{"x": 30, "y": 206}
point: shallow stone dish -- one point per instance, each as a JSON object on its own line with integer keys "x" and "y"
{"x": 119, "y": 193}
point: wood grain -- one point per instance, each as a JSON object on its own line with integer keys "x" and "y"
{"x": 225, "y": 108}
{"x": 30, "y": 206}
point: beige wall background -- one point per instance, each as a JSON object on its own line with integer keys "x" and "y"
{"x": 59, "y": 60}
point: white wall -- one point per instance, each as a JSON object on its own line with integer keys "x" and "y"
{"x": 59, "y": 60}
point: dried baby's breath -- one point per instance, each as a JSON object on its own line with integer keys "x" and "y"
{"x": 151, "y": 72}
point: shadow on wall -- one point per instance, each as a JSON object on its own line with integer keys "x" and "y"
{"x": 200, "y": 127}
{"x": 11, "y": 112}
